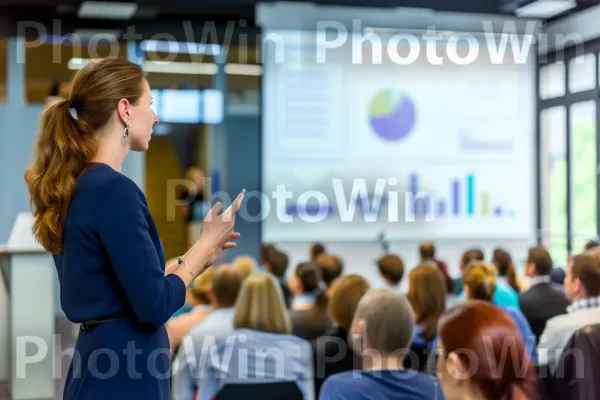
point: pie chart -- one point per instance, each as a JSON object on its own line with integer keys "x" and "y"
{"x": 392, "y": 114}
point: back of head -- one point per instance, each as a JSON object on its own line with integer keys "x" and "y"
{"x": 480, "y": 279}
{"x": 316, "y": 250}
{"x": 66, "y": 144}
{"x": 491, "y": 350}
{"x": 260, "y": 306}
{"x": 278, "y": 262}
{"x": 388, "y": 320}
{"x": 586, "y": 268}
{"x": 540, "y": 258}
{"x": 591, "y": 244}
{"x": 345, "y": 294}
{"x": 331, "y": 267}
{"x": 504, "y": 264}
{"x": 427, "y": 296}
{"x": 470, "y": 256}
{"x": 427, "y": 251}
{"x": 265, "y": 249}
{"x": 391, "y": 267}
{"x": 226, "y": 284}
{"x": 246, "y": 264}
{"x": 202, "y": 286}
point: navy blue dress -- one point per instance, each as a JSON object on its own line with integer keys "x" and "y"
{"x": 113, "y": 263}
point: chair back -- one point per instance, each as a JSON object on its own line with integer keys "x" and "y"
{"x": 259, "y": 391}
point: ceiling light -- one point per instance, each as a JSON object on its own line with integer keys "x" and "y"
{"x": 243, "y": 69}
{"x": 107, "y": 10}
{"x": 163, "y": 46}
{"x": 545, "y": 8}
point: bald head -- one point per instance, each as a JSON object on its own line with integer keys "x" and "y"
{"x": 427, "y": 251}
{"x": 227, "y": 280}
{"x": 388, "y": 319}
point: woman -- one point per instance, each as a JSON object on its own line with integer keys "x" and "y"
{"x": 95, "y": 221}
{"x": 479, "y": 283}
{"x": 427, "y": 296}
{"x": 507, "y": 273}
{"x": 309, "y": 307}
{"x": 332, "y": 352}
{"x": 477, "y": 361}
{"x": 261, "y": 348}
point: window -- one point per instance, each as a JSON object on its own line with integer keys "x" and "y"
{"x": 552, "y": 80}
{"x": 582, "y": 73}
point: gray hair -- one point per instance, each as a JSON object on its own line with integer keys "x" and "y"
{"x": 389, "y": 321}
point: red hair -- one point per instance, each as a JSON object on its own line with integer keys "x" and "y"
{"x": 490, "y": 346}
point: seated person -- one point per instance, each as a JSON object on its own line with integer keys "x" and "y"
{"x": 480, "y": 284}
{"x": 261, "y": 348}
{"x": 507, "y": 273}
{"x": 427, "y": 296}
{"x": 382, "y": 331}
{"x": 331, "y": 266}
{"x": 315, "y": 251}
{"x": 276, "y": 262}
{"x": 309, "y": 307}
{"x": 332, "y": 352}
{"x": 474, "y": 361}
{"x": 391, "y": 269}
{"x": 427, "y": 254}
{"x": 226, "y": 283}
{"x": 179, "y": 326}
{"x": 246, "y": 264}
{"x": 468, "y": 257}
{"x": 582, "y": 287}
{"x": 544, "y": 299}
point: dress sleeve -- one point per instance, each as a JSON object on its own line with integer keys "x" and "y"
{"x": 124, "y": 232}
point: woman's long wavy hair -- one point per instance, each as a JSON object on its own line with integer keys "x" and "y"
{"x": 67, "y": 143}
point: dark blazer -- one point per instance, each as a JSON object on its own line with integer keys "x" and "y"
{"x": 332, "y": 354}
{"x": 540, "y": 303}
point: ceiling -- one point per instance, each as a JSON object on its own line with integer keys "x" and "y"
{"x": 159, "y": 16}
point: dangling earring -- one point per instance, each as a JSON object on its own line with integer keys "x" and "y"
{"x": 126, "y": 133}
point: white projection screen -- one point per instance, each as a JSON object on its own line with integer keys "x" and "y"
{"x": 397, "y": 133}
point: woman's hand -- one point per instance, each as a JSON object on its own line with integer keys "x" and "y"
{"x": 218, "y": 229}
{"x": 229, "y": 245}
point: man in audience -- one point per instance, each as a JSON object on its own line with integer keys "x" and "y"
{"x": 391, "y": 268}
{"x": 543, "y": 300}
{"x": 382, "y": 331}
{"x": 316, "y": 250}
{"x": 226, "y": 283}
{"x": 331, "y": 267}
{"x": 427, "y": 253}
{"x": 276, "y": 262}
{"x": 582, "y": 287}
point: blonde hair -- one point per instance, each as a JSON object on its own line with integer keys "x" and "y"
{"x": 202, "y": 285}
{"x": 346, "y": 292}
{"x": 260, "y": 306}
{"x": 480, "y": 278}
{"x": 246, "y": 264}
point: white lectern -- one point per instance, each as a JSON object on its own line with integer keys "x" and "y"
{"x": 28, "y": 274}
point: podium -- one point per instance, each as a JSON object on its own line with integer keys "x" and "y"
{"x": 27, "y": 291}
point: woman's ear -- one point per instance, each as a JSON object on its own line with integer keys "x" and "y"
{"x": 124, "y": 110}
{"x": 456, "y": 368}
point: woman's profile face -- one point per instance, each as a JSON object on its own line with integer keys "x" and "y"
{"x": 142, "y": 121}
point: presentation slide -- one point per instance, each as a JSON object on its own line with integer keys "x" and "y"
{"x": 415, "y": 150}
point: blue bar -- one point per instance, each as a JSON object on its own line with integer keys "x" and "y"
{"x": 470, "y": 194}
{"x": 442, "y": 208}
{"x": 456, "y": 197}
{"x": 414, "y": 189}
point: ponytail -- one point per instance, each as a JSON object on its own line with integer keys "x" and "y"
{"x": 511, "y": 277}
{"x": 63, "y": 151}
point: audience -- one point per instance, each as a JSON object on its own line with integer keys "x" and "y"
{"x": 544, "y": 299}
{"x": 468, "y": 257}
{"x": 246, "y": 264}
{"x": 507, "y": 273}
{"x": 276, "y": 262}
{"x": 482, "y": 355}
{"x": 179, "y": 326}
{"x": 582, "y": 287}
{"x": 331, "y": 267}
{"x": 261, "y": 348}
{"x": 391, "y": 268}
{"x": 382, "y": 330}
{"x": 427, "y": 253}
{"x": 316, "y": 250}
{"x": 332, "y": 352}
{"x": 427, "y": 296}
{"x": 226, "y": 283}
{"x": 309, "y": 308}
{"x": 480, "y": 284}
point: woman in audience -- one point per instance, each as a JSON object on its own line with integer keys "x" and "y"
{"x": 261, "y": 348}
{"x": 480, "y": 284}
{"x": 309, "y": 308}
{"x": 427, "y": 296}
{"x": 507, "y": 273}
{"x": 246, "y": 264}
{"x": 477, "y": 360}
{"x": 179, "y": 326}
{"x": 332, "y": 353}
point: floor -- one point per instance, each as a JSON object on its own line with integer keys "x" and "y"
{"x": 66, "y": 330}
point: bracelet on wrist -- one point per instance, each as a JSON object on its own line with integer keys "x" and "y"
{"x": 182, "y": 261}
